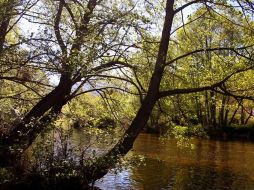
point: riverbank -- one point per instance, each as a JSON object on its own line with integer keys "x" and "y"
{"x": 234, "y": 132}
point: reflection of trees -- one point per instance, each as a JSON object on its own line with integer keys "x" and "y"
{"x": 154, "y": 175}
{"x": 210, "y": 170}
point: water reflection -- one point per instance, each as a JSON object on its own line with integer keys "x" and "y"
{"x": 211, "y": 165}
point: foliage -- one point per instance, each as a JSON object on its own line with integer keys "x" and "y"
{"x": 184, "y": 134}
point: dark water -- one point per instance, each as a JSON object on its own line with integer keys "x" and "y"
{"x": 214, "y": 165}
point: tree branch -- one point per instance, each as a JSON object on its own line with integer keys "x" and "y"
{"x": 208, "y": 50}
{"x": 210, "y": 87}
{"x": 187, "y": 4}
{"x": 57, "y": 30}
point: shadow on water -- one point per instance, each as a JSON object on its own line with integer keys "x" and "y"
{"x": 212, "y": 165}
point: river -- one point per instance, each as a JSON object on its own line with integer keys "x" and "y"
{"x": 212, "y": 164}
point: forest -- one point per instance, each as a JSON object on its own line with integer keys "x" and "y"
{"x": 82, "y": 80}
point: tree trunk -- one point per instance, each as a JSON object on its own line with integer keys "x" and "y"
{"x": 199, "y": 111}
{"x": 37, "y": 119}
{"x": 6, "y": 13}
{"x": 226, "y": 118}
{"x": 21, "y": 137}
{"x": 242, "y": 115}
{"x": 250, "y": 115}
{"x": 207, "y": 110}
{"x": 151, "y": 98}
{"x": 139, "y": 122}
{"x": 233, "y": 116}
{"x": 222, "y": 112}
{"x": 213, "y": 109}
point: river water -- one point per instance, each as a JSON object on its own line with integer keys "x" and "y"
{"x": 212, "y": 164}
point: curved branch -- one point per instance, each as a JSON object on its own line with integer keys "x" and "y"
{"x": 19, "y": 80}
{"x": 210, "y": 87}
{"x": 100, "y": 68}
{"x": 222, "y": 90}
{"x": 112, "y": 63}
{"x": 208, "y": 50}
{"x": 101, "y": 89}
{"x": 188, "y": 4}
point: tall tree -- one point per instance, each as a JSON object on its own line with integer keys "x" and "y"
{"x": 87, "y": 44}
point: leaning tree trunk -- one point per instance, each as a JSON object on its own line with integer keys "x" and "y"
{"x": 38, "y": 118}
{"x": 106, "y": 162}
{"x": 24, "y": 133}
{"x": 151, "y": 98}
{"x": 248, "y": 118}
{"x": 234, "y": 113}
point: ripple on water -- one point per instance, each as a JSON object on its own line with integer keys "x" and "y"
{"x": 212, "y": 165}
